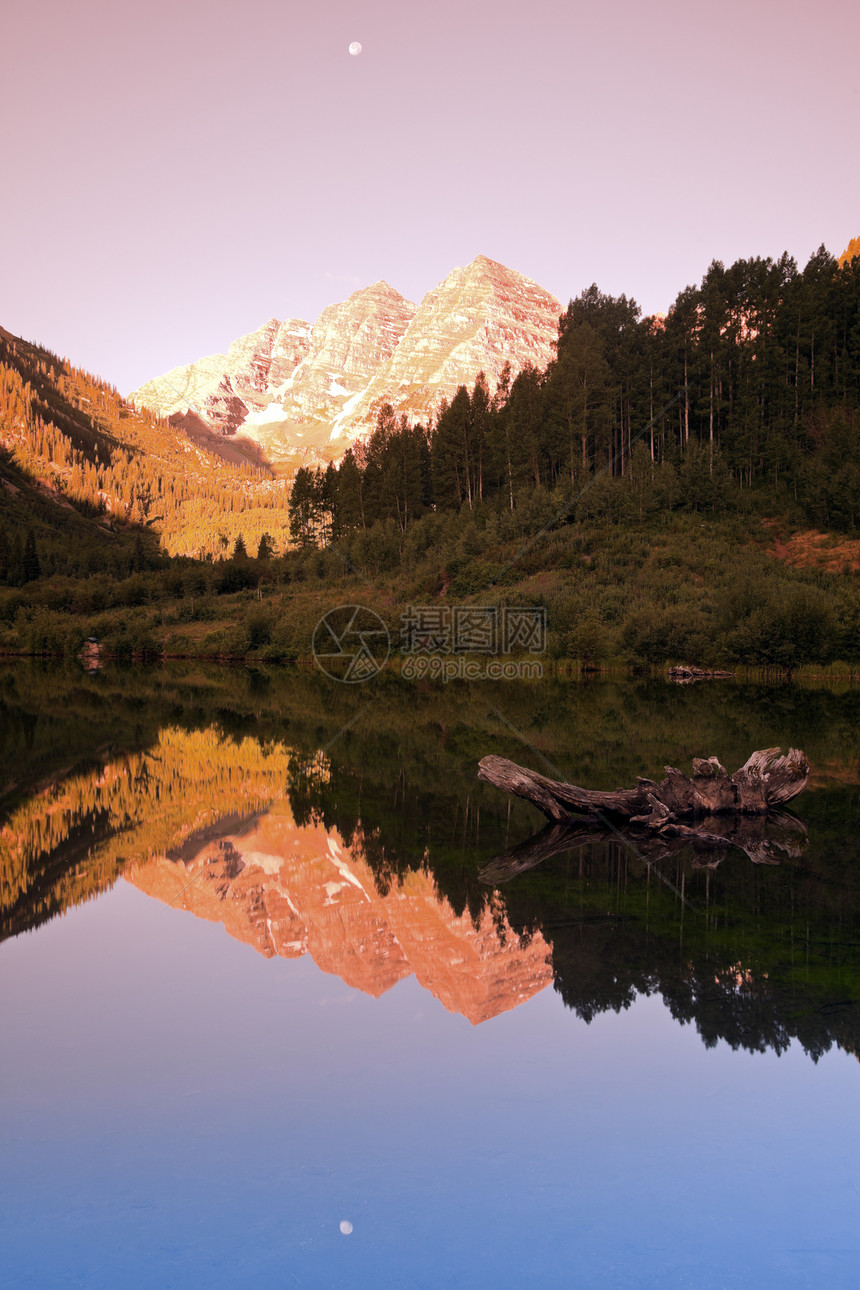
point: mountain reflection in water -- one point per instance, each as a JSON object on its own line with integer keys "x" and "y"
{"x": 183, "y": 1106}
{"x": 385, "y": 859}
{"x": 291, "y": 890}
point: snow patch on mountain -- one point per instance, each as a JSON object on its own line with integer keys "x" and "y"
{"x": 265, "y": 416}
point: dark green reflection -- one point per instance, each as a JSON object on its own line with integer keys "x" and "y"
{"x": 97, "y": 771}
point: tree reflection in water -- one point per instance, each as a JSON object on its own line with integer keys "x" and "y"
{"x": 756, "y": 949}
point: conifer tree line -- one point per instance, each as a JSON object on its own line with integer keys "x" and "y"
{"x": 745, "y": 394}
{"x": 749, "y": 386}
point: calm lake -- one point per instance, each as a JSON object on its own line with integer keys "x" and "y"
{"x": 285, "y": 1001}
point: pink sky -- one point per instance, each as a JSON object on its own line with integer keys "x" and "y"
{"x": 176, "y": 172}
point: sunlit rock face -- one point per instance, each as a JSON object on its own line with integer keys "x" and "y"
{"x": 478, "y": 319}
{"x": 851, "y": 250}
{"x": 304, "y": 394}
{"x": 223, "y": 389}
{"x": 290, "y": 891}
{"x": 348, "y": 343}
{"x": 290, "y": 347}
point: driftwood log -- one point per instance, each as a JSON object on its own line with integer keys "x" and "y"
{"x": 766, "y": 781}
{"x": 684, "y": 674}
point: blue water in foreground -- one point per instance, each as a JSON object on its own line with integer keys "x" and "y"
{"x": 178, "y": 1111}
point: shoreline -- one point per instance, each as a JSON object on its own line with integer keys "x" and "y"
{"x": 555, "y": 669}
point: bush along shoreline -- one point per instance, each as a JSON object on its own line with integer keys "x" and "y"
{"x": 675, "y": 590}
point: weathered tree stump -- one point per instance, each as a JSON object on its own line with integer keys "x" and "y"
{"x": 765, "y": 781}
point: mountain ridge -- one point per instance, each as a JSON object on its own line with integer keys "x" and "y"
{"x": 316, "y": 399}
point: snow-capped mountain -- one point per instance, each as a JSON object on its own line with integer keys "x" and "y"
{"x": 304, "y": 393}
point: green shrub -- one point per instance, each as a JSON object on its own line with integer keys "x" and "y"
{"x": 794, "y": 625}
{"x": 258, "y": 627}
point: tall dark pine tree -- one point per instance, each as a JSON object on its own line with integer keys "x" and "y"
{"x": 349, "y": 500}
{"x": 480, "y": 418}
{"x": 31, "y": 568}
{"x": 454, "y": 474}
{"x": 578, "y": 384}
{"x": 302, "y": 508}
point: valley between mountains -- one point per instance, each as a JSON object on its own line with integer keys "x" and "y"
{"x": 670, "y": 489}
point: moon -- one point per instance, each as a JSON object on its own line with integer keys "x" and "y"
{"x": 355, "y": 48}
{"x": 346, "y": 1226}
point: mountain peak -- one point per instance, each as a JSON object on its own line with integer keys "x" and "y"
{"x": 486, "y": 266}
{"x": 485, "y": 263}
{"x": 305, "y": 393}
{"x": 381, "y": 287}
{"x": 480, "y": 318}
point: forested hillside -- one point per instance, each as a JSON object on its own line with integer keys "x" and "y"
{"x": 72, "y": 436}
{"x": 745, "y": 395}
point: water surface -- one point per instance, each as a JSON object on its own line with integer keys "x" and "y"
{"x": 258, "y": 980}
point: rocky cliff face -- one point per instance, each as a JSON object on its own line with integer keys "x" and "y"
{"x": 348, "y": 343}
{"x": 478, "y": 319}
{"x": 223, "y": 389}
{"x": 303, "y": 394}
{"x": 291, "y": 891}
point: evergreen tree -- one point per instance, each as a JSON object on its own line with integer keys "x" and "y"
{"x": 578, "y": 386}
{"x": 349, "y": 498}
{"x": 454, "y": 465}
{"x": 303, "y": 508}
{"x": 30, "y": 567}
{"x": 140, "y": 562}
{"x": 480, "y": 422}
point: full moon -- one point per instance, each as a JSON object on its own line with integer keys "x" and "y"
{"x": 346, "y": 1226}
{"x": 355, "y": 47}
